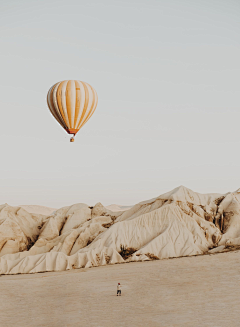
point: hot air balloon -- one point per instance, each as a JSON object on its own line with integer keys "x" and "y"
{"x": 72, "y": 104}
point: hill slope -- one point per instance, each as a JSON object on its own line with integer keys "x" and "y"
{"x": 178, "y": 223}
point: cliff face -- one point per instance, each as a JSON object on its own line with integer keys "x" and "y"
{"x": 178, "y": 223}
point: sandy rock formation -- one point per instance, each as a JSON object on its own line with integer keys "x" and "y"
{"x": 116, "y": 207}
{"x": 178, "y": 223}
{"x": 35, "y": 209}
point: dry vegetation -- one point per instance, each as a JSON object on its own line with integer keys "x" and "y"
{"x": 152, "y": 256}
{"x": 126, "y": 252}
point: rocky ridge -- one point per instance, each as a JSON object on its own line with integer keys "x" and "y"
{"x": 175, "y": 224}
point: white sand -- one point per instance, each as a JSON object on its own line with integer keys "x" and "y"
{"x": 176, "y": 224}
{"x": 192, "y": 291}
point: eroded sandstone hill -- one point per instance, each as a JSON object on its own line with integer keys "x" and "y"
{"x": 178, "y": 223}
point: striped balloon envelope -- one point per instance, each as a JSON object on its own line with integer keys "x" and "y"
{"x": 72, "y": 104}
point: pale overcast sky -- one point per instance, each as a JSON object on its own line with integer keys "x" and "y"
{"x": 167, "y": 74}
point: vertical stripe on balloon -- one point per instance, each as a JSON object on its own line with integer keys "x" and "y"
{"x": 51, "y": 105}
{"x": 85, "y": 106}
{"x": 55, "y": 102}
{"x": 77, "y": 103}
{"x": 64, "y": 103}
{"x": 59, "y": 103}
{"x": 70, "y": 102}
{"x": 91, "y": 103}
{"x": 82, "y": 102}
{"x": 93, "y": 108}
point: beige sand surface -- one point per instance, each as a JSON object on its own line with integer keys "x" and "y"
{"x": 190, "y": 291}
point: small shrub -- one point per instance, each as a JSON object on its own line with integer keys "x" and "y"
{"x": 98, "y": 259}
{"x": 30, "y": 243}
{"x": 208, "y": 217}
{"x": 107, "y": 258}
{"x": 219, "y": 200}
{"x": 107, "y": 225}
{"x": 126, "y": 252}
{"x": 152, "y": 256}
{"x": 89, "y": 241}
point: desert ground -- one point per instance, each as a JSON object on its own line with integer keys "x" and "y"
{"x": 200, "y": 290}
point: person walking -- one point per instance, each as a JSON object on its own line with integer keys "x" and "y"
{"x": 119, "y": 289}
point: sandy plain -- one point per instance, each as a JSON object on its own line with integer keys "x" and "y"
{"x": 191, "y": 291}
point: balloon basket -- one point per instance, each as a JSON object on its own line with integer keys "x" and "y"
{"x": 72, "y": 139}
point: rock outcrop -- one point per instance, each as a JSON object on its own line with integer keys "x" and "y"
{"x": 178, "y": 223}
